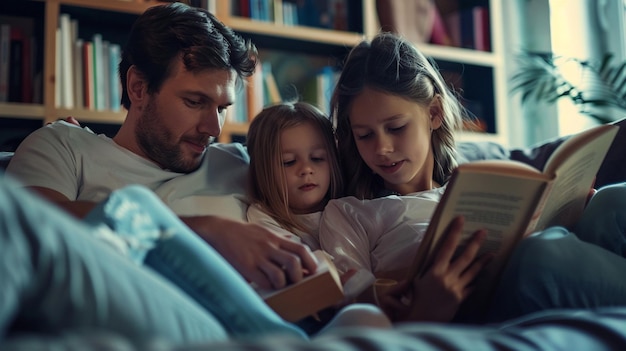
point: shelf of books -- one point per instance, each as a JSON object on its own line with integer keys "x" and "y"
{"x": 68, "y": 63}
{"x": 465, "y": 38}
{"x": 301, "y": 46}
{"x": 69, "y": 50}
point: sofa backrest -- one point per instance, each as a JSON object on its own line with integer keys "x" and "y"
{"x": 5, "y": 157}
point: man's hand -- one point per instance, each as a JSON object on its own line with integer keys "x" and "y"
{"x": 77, "y": 208}
{"x": 265, "y": 258}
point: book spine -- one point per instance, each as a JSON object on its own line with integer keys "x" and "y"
{"x": 453, "y": 24}
{"x": 67, "y": 71}
{"x": 5, "y": 34}
{"x": 57, "y": 69}
{"x": 98, "y": 72}
{"x": 115, "y": 87}
{"x": 482, "y": 40}
{"x": 271, "y": 87}
{"x": 88, "y": 76}
{"x": 27, "y": 70}
{"x": 106, "y": 76}
{"x": 77, "y": 58}
{"x": 467, "y": 28}
{"x": 16, "y": 50}
{"x": 255, "y": 92}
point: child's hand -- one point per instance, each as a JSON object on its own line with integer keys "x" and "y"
{"x": 592, "y": 192}
{"x": 437, "y": 295}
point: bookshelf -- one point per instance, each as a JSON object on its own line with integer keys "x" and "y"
{"x": 297, "y": 53}
{"x": 480, "y": 73}
{"x": 113, "y": 18}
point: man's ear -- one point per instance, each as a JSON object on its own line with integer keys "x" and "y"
{"x": 436, "y": 112}
{"x": 137, "y": 87}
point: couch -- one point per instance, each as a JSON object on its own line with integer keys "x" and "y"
{"x": 584, "y": 329}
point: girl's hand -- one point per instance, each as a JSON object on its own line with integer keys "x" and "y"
{"x": 437, "y": 295}
{"x": 592, "y": 192}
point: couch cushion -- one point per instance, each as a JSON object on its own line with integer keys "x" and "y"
{"x": 5, "y": 157}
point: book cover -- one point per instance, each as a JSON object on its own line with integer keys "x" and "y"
{"x": 320, "y": 290}
{"x": 511, "y": 200}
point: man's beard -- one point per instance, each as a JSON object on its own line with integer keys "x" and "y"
{"x": 157, "y": 142}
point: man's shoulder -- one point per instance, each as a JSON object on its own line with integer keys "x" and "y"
{"x": 228, "y": 150}
{"x": 63, "y": 132}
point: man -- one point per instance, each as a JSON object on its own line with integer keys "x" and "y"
{"x": 179, "y": 71}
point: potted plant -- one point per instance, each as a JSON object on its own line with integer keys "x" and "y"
{"x": 593, "y": 86}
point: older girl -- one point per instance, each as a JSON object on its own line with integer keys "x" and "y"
{"x": 395, "y": 127}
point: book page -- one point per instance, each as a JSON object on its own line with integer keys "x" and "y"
{"x": 501, "y": 204}
{"x": 574, "y": 165}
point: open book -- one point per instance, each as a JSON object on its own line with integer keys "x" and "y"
{"x": 512, "y": 200}
{"x": 313, "y": 293}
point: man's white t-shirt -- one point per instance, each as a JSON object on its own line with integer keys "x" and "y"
{"x": 85, "y": 166}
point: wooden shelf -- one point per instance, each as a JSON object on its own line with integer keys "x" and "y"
{"x": 11, "y": 109}
{"x": 85, "y": 115}
{"x": 317, "y": 35}
{"x": 454, "y": 54}
{"x": 136, "y": 7}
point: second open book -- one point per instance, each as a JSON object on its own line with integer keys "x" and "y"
{"x": 512, "y": 200}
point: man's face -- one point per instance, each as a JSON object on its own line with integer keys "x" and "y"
{"x": 177, "y": 123}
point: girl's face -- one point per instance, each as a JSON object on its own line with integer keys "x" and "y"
{"x": 306, "y": 168}
{"x": 393, "y": 135}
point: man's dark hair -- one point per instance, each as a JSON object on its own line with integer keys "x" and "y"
{"x": 164, "y": 33}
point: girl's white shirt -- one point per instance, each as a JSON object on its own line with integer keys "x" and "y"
{"x": 379, "y": 235}
{"x": 369, "y": 236}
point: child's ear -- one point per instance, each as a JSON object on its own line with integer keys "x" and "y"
{"x": 435, "y": 112}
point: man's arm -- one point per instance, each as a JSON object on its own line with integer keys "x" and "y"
{"x": 76, "y": 208}
{"x": 263, "y": 257}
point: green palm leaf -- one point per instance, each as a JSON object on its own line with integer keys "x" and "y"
{"x": 540, "y": 78}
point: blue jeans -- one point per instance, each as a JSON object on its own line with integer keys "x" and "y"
{"x": 169, "y": 247}
{"x": 556, "y": 268}
{"x": 54, "y": 278}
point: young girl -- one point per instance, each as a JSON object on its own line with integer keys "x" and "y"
{"x": 294, "y": 176}
{"x": 395, "y": 128}
{"x": 294, "y": 169}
